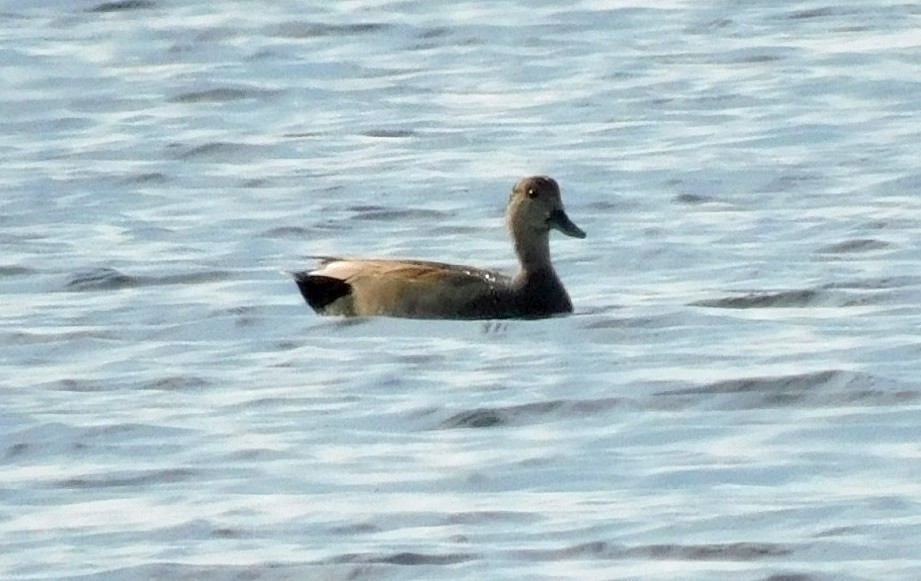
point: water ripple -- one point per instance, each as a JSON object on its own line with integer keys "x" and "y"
{"x": 122, "y": 6}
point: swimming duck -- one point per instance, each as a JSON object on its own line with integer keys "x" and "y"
{"x": 432, "y": 290}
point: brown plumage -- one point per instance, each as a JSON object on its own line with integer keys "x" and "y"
{"x": 433, "y": 290}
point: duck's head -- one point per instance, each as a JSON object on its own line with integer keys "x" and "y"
{"x": 535, "y": 207}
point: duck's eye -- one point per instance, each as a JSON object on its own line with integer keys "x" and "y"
{"x": 532, "y": 193}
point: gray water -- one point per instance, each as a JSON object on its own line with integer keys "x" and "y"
{"x": 737, "y": 395}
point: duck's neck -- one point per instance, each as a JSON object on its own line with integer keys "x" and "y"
{"x": 534, "y": 255}
{"x": 537, "y": 290}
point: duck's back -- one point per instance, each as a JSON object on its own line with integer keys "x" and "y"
{"x": 406, "y": 288}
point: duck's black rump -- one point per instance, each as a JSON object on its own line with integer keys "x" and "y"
{"x": 320, "y": 291}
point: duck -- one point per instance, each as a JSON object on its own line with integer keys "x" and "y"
{"x": 417, "y": 289}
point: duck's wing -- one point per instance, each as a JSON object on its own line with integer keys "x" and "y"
{"x": 401, "y": 288}
{"x": 347, "y": 269}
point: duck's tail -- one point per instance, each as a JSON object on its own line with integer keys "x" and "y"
{"x": 320, "y": 291}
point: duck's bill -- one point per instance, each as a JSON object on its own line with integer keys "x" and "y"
{"x": 560, "y": 221}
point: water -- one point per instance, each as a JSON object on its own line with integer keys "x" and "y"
{"x": 736, "y": 396}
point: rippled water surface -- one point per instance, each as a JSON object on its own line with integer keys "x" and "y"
{"x": 736, "y": 396}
